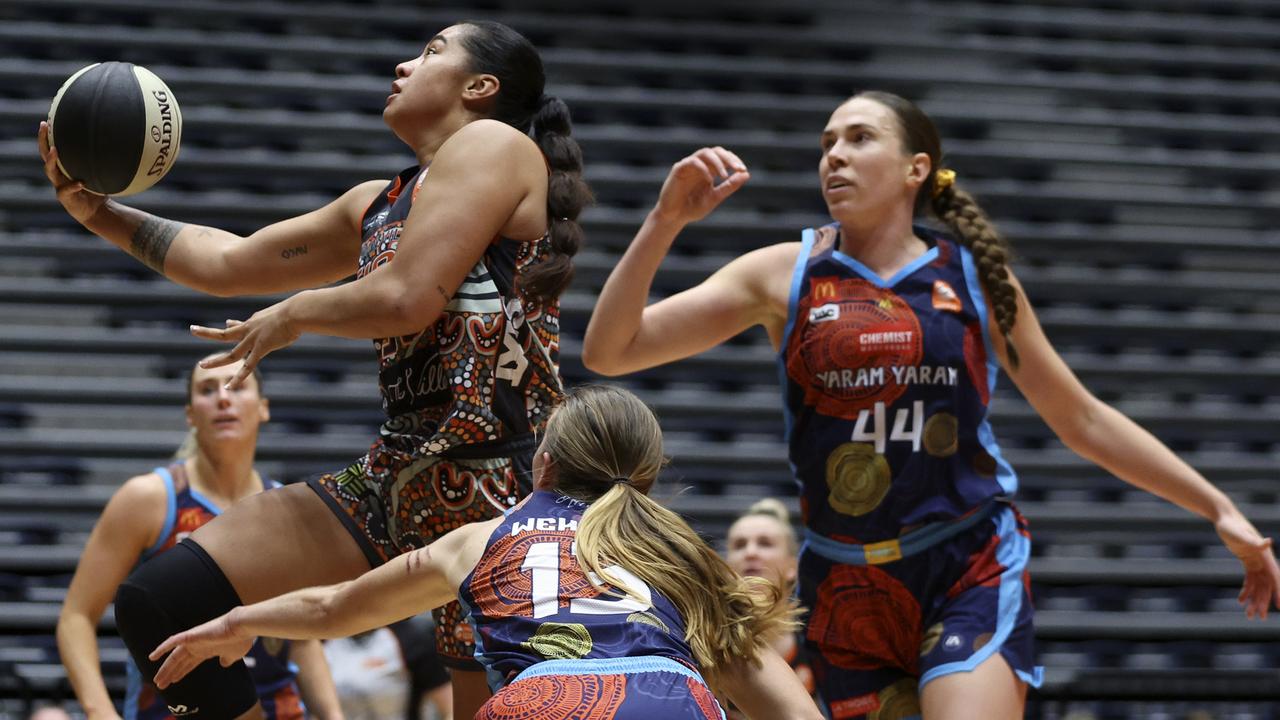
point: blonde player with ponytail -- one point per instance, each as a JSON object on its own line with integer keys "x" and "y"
{"x": 590, "y": 600}
{"x": 890, "y": 337}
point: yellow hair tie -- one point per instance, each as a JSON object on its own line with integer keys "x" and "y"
{"x": 942, "y": 180}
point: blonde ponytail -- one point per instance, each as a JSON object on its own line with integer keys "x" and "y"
{"x": 187, "y": 449}
{"x": 727, "y": 617}
{"x": 606, "y": 449}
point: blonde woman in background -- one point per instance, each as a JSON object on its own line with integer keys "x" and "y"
{"x": 590, "y": 600}
{"x": 762, "y": 543}
{"x": 147, "y": 516}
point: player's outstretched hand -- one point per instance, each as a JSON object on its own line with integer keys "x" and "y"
{"x": 698, "y": 184}
{"x": 1261, "y": 574}
{"x": 264, "y": 332}
{"x": 217, "y": 638}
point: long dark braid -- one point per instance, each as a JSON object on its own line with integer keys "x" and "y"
{"x": 961, "y": 213}
{"x": 507, "y": 55}
{"x": 970, "y": 224}
{"x": 567, "y": 195}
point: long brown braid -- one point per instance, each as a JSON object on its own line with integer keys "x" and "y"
{"x": 961, "y": 213}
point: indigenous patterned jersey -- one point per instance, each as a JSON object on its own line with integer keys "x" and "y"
{"x": 485, "y": 372}
{"x": 268, "y": 662}
{"x": 886, "y": 386}
{"x": 530, "y": 601}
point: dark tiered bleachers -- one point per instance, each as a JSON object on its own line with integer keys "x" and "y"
{"x": 1129, "y": 148}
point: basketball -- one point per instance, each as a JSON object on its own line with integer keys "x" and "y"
{"x": 116, "y": 127}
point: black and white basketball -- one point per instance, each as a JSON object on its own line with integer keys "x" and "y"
{"x": 116, "y": 127}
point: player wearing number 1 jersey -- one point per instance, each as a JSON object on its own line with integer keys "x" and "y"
{"x": 590, "y": 601}
{"x": 890, "y": 337}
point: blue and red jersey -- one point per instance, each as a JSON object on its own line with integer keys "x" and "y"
{"x": 887, "y": 385}
{"x": 530, "y": 601}
{"x": 268, "y": 660}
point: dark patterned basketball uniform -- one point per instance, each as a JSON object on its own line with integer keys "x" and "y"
{"x": 914, "y": 564}
{"x": 557, "y": 648}
{"x": 268, "y": 660}
{"x": 463, "y": 399}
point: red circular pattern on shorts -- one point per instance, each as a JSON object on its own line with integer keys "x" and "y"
{"x": 869, "y": 329}
{"x": 558, "y": 697}
{"x": 864, "y": 619}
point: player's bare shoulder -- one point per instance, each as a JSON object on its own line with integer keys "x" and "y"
{"x": 486, "y": 137}
{"x": 768, "y": 271}
{"x": 136, "y": 512}
{"x": 142, "y": 492}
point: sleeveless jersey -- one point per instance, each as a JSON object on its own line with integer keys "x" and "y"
{"x": 273, "y": 675}
{"x": 483, "y": 377}
{"x": 529, "y": 600}
{"x": 886, "y": 386}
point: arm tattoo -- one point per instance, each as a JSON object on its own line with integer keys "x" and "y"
{"x": 443, "y": 293}
{"x": 152, "y": 239}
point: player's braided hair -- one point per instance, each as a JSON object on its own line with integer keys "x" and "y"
{"x": 961, "y": 213}
{"x": 567, "y": 195}
{"x": 504, "y": 53}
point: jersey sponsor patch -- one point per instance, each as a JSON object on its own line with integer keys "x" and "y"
{"x": 945, "y": 298}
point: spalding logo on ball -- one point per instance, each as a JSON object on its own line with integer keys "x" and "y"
{"x": 116, "y": 127}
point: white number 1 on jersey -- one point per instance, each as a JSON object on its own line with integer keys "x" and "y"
{"x": 543, "y": 563}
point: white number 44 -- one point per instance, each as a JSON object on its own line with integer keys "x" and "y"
{"x": 913, "y": 416}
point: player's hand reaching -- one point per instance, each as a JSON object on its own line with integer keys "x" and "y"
{"x": 698, "y": 184}
{"x": 78, "y": 202}
{"x": 264, "y": 332}
{"x": 220, "y": 638}
{"x": 1261, "y": 574}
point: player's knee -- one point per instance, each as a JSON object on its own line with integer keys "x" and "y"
{"x": 173, "y": 591}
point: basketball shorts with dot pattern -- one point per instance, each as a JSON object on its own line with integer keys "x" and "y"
{"x": 393, "y": 502}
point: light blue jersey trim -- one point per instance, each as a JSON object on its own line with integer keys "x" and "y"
{"x": 807, "y": 238}
{"x": 986, "y": 436}
{"x": 1012, "y": 552}
{"x": 609, "y": 666}
{"x": 205, "y": 502}
{"x": 170, "y": 512}
{"x": 612, "y": 666}
{"x": 929, "y": 256}
{"x": 133, "y": 688}
{"x": 909, "y": 544}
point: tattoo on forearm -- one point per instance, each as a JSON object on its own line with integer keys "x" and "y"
{"x": 291, "y": 253}
{"x": 152, "y": 239}
{"x": 443, "y": 293}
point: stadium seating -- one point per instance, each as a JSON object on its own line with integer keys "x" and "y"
{"x": 1128, "y": 148}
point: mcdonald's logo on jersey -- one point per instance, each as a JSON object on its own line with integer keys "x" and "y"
{"x": 945, "y": 298}
{"x": 823, "y": 290}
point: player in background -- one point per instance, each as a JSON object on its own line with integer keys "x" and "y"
{"x": 890, "y": 336}
{"x": 147, "y": 516}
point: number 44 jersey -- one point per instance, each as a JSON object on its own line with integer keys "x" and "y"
{"x": 529, "y": 600}
{"x": 886, "y": 385}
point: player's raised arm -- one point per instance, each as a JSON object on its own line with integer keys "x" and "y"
{"x": 306, "y": 251}
{"x": 626, "y": 334}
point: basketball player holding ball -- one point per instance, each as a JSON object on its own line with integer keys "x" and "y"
{"x": 890, "y": 337}
{"x": 460, "y": 261}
